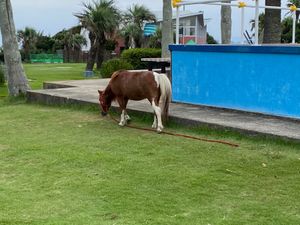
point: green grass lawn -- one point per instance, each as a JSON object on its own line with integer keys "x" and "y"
{"x": 71, "y": 166}
{"x": 38, "y": 73}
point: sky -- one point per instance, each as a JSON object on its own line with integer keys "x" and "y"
{"x": 51, "y": 16}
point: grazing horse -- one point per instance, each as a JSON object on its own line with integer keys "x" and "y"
{"x": 125, "y": 85}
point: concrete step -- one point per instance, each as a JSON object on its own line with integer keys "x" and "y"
{"x": 85, "y": 92}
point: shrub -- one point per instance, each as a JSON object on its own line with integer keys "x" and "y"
{"x": 110, "y": 45}
{"x": 134, "y": 55}
{"x": 113, "y": 65}
{"x": 2, "y": 77}
{"x": 210, "y": 39}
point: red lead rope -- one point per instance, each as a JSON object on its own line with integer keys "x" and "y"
{"x": 180, "y": 135}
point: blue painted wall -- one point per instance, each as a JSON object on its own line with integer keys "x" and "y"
{"x": 251, "y": 78}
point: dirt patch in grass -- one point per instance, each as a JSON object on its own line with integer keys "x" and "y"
{"x": 3, "y": 147}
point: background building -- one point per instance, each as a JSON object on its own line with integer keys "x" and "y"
{"x": 193, "y": 28}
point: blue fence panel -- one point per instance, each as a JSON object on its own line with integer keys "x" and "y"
{"x": 255, "y": 79}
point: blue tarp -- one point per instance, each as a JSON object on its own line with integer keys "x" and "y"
{"x": 149, "y": 29}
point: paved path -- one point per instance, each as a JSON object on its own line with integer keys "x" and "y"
{"x": 85, "y": 92}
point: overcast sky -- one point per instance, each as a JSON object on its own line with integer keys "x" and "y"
{"x": 51, "y": 16}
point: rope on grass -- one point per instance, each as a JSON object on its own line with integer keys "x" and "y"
{"x": 180, "y": 135}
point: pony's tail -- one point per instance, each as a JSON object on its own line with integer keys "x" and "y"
{"x": 165, "y": 95}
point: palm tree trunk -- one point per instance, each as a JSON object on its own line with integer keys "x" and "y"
{"x": 226, "y": 23}
{"x": 27, "y": 52}
{"x": 17, "y": 81}
{"x": 272, "y": 26}
{"x": 100, "y": 55}
{"x": 91, "y": 58}
{"x": 66, "y": 54}
{"x": 167, "y": 30}
{"x": 138, "y": 41}
{"x": 92, "y": 53}
{"x": 77, "y": 55}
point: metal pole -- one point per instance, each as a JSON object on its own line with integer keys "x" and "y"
{"x": 250, "y": 6}
{"x": 256, "y": 6}
{"x": 242, "y": 24}
{"x": 177, "y": 25}
{"x": 256, "y": 21}
{"x": 236, "y": 5}
{"x": 196, "y": 30}
{"x": 294, "y": 28}
{"x": 202, "y": 2}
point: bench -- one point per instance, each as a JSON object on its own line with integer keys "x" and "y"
{"x": 161, "y": 63}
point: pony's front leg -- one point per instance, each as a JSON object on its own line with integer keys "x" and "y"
{"x": 157, "y": 112}
{"x": 123, "y": 118}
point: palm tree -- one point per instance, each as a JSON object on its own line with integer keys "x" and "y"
{"x": 17, "y": 81}
{"x": 132, "y": 34}
{"x": 134, "y": 21}
{"x": 28, "y": 39}
{"x": 62, "y": 41}
{"x": 272, "y": 23}
{"x": 101, "y": 19}
{"x": 156, "y": 39}
{"x": 76, "y": 41}
{"x": 167, "y": 28}
{"x": 226, "y": 23}
{"x": 71, "y": 41}
{"x": 261, "y": 23}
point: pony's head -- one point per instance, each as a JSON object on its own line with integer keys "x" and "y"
{"x": 104, "y": 101}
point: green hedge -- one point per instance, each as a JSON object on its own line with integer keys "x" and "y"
{"x": 2, "y": 78}
{"x": 134, "y": 55}
{"x": 113, "y": 65}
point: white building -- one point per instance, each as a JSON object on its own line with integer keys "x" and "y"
{"x": 192, "y": 27}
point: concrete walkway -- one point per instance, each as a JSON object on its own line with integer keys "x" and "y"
{"x": 85, "y": 92}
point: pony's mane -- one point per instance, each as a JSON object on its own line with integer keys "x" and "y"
{"x": 108, "y": 92}
{"x": 115, "y": 74}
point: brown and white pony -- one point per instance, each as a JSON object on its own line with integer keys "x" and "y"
{"x": 125, "y": 85}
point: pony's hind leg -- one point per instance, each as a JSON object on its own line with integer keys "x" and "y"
{"x": 127, "y": 117}
{"x": 157, "y": 112}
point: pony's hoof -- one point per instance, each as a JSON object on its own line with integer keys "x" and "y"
{"x": 122, "y": 124}
{"x": 127, "y": 118}
{"x": 154, "y": 126}
{"x": 159, "y": 129}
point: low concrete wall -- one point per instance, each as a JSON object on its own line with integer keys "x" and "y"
{"x": 260, "y": 79}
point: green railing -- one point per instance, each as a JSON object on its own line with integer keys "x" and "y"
{"x": 46, "y": 58}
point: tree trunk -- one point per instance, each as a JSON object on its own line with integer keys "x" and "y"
{"x": 27, "y": 52}
{"x": 272, "y": 23}
{"x": 138, "y": 41}
{"x": 77, "y": 55}
{"x": 167, "y": 29}
{"x": 100, "y": 55}
{"x": 132, "y": 42}
{"x": 226, "y": 23}
{"x": 66, "y": 54}
{"x": 91, "y": 58}
{"x": 17, "y": 81}
{"x": 92, "y": 53}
